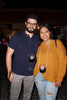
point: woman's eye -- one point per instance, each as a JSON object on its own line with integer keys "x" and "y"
{"x": 41, "y": 32}
{"x": 46, "y": 32}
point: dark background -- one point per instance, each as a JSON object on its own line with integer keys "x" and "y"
{"x": 45, "y": 4}
{"x": 14, "y": 12}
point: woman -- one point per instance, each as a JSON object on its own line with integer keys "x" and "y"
{"x": 50, "y": 67}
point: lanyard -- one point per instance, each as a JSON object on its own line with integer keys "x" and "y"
{"x": 47, "y": 54}
{"x": 30, "y": 53}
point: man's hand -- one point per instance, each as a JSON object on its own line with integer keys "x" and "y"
{"x": 10, "y": 76}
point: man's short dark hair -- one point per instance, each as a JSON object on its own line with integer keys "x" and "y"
{"x": 32, "y": 16}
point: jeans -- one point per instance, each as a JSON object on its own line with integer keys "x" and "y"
{"x": 46, "y": 89}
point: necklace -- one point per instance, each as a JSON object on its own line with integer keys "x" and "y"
{"x": 31, "y": 56}
{"x": 42, "y": 67}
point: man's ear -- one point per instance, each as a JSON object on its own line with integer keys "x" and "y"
{"x": 37, "y": 26}
{"x": 25, "y": 22}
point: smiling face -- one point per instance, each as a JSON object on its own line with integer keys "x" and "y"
{"x": 44, "y": 33}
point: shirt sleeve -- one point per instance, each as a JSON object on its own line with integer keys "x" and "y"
{"x": 12, "y": 42}
{"x": 61, "y": 53}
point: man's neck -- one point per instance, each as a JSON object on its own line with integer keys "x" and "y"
{"x": 30, "y": 34}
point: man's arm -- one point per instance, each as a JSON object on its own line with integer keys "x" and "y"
{"x": 9, "y": 54}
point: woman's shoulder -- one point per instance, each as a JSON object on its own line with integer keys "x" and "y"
{"x": 40, "y": 45}
{"x": 59, "y": 41}
{"x": 60, "y": 44}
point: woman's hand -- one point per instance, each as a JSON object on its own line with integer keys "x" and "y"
{"x": 57, "y": 83}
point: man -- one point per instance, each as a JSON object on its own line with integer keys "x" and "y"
{"x": 21, "y": 59}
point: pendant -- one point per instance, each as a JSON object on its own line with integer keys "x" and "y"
{"x": 31, "y": 58}
{"x": 42, "y": 69}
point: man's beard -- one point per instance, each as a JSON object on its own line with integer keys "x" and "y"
{"x": 30, "y": 31}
